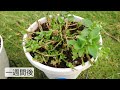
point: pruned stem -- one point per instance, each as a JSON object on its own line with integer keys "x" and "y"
{"x": 89, "y": 58}
{"x": 46, "y": 55}
{"x": 66, "y": 26}
{"x": 82, "y": 61}
{"x": 57, "y": 45}
{"x": 50, "y": 42}
{"x": 71, "y": 37}
{"x": 49, "y": 20}
{"x": 72, "y": 24}
{"x": 72, "y": 29}
{"x": 48, "y": 25}
{"x": 61, "y": 33}
{"x": 39, "y": 26}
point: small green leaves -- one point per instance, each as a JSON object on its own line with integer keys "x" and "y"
{"x": 39, "y": 35}
{"x": 87, "y": 42}
{"x": 28, "y": 49}
{"x": 32, "y": 45}
{"x": 55, "y": 62}
{"x": 69, "y": 64}
{"x": 47, "y": 34}
{"x": 75, "y": 54}
{"x": 61, "y": 20}
{"x": 62, "y": 56}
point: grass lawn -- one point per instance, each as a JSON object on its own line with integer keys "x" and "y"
{"x": 12, "y": 23}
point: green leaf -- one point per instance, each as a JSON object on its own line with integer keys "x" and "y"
{"x": 55, "y": 62}
{"x": 28, "y": 49}
{"x": 60, "y": 20}
{"x": 81, "y": 41}
{"x": 96, "y": 39}
{"x": 32, "y": 45}
{"x": 69, "y": 64}
{"x": 90, "y": 41}
{"x": 81, "y": 52}
{"x": 75, "y": 54}
{"x": 87, "y": 22}
{"x": 76, "y": 46}
{"x": 40, "y": 35}
{"x": 92, "y": 50}
{"x": 70, "y": 18}
{"x": 71, "y": 42}
{"x": 56, "y": 38}
{"x": 80, "y": 37}
{"x": 68, "y": 33}
{"x": 74, "y": 57}
{"x": 95, "y": 32}
{"x": 28, "y": 43}
{"x": 48, "y": 34}
{"x": 84, "y": 32}
{"x": 62, "y": 56}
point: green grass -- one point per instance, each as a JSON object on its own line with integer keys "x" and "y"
{"x": 103, "y": 69}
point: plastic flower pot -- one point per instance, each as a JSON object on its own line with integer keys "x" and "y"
{"x": 3, "y": 60}
{"x": 51, "y": 72}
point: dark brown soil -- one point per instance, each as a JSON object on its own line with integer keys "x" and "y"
{"x": 41, "y": 49}
{"x": 67, "y": 53}
{"x": 32, "y": 54}
{"x": 61, "y": 65}
{"x": 44, "y": 27}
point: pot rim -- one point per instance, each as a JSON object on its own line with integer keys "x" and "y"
{"x": 1, "y": 43}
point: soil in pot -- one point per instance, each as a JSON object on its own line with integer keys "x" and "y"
{"x": 74, "y": 30}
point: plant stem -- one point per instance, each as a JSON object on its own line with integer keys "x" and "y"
{"x": 44, "y": 59}
{"x": 72, "y": 24}
{"x": 49, "y": 20}
{"x": 72, "y": 29}
{"x": 71, "y": 37}
{"x": 89, "y": 58}
{"x": 45, "y": 54}
{"x": 66, "y": 26}
{"x": 48, "y": 43}
{"x": 61, "y": 33}
{"x": 39, "y": 26}
{"x": 82, "y": 61}
{"x": 57, "y": 45}
{"x": 48, "y": 25}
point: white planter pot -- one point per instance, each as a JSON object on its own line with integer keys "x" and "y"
{"x": 3, "y": 60}
{"x": 51, "y": 72}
